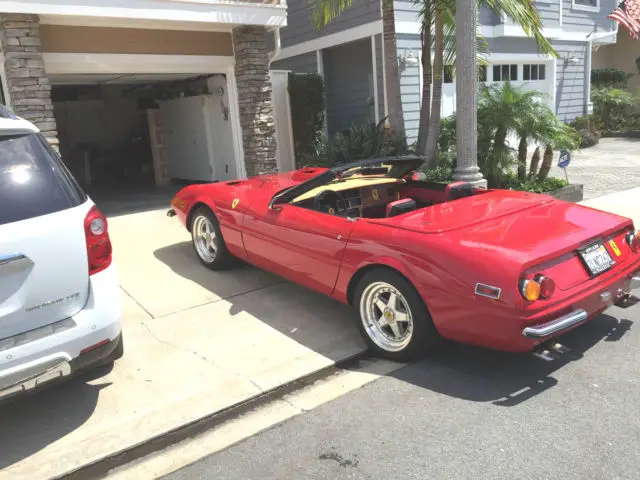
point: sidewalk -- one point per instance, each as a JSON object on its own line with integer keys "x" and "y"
{"x": 196, "y": 342}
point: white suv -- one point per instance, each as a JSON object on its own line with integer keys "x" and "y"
{"x": 60, "y": 304}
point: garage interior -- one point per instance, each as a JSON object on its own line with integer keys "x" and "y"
{"x": 134, "y": 140}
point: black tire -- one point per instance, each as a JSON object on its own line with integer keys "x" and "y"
{"x": 222, "y": 258}
{"x": 424, "y": 335}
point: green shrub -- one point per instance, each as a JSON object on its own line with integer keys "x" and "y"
{"x": 535, "y": 186}
{"x": 359, "y": 142}
{"x": 616, "y": 109}
{"x": 306, "y": 96}
{"x": 588, "y": 127}
{"x": 609, "y": 78}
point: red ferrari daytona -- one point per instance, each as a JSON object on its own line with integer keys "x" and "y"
{"x": 420, "y": 261}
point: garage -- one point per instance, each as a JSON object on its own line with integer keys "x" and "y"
{"x": 134, "y": 127}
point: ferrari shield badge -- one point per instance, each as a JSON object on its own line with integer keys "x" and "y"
{"x": 235, "y": 202}
{"x": 374, "y": 194}
{"x": 614, "y": 247}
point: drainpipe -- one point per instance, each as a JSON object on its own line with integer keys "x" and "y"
{"x": 276, "y": 50}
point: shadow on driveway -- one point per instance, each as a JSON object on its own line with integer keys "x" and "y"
{"x": 505, "y": 379}
{"x": 315, "y": 321}
{"x": 30, "y": 423}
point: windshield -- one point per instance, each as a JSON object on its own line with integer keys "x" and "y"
{"x": 33, "y": 181}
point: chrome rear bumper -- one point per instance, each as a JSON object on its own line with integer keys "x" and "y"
{"x": 555, "y": 326}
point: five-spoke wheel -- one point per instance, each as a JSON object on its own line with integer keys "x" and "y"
{"x": 393, "y": 318}
{"x": 207, "y": 240}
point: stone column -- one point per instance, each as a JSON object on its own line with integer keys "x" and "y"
{"x": 254, "y": 99}
{"x": 467, "y": 95}
{"x": 28, "y": 85}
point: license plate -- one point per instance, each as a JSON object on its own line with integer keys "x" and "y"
{"x": 596, "y": 259}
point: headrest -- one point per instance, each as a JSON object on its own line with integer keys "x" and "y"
{"x": 400, "y": 206}
{"x": 457, "y": 190}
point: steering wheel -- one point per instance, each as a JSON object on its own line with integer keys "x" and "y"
{"x": 329, "y": 201}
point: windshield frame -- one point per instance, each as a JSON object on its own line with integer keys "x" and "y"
{"x": 401, "y": 166}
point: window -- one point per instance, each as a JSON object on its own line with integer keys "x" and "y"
{"x": 33, "y": 181}
{"x": 482, "y": 73}
{"x": 586, "y": 4}
{"x": 533, "y": 72}
{"x": 505, "y": 73}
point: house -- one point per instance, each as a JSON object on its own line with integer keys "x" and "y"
{"x": 348, "y": 54}
{"x": 624, "y": 54}
{"x": 142, "y": 91}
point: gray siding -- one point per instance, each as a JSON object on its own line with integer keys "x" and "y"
{"x": 410, "y": 87}
{"x": 380, "y": 76}
{"x": 573, "y": 19}
{"x": 300, "y": 26}
{"x": 407, "y": 11}
{"x": 305, "y": 63}
{"x": 570, "y": 81}
{"x": 549, "y": 13}
{"x": 348, "y": 82}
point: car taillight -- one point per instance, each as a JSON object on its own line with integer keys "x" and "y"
{"x": 99, "y": 251}
{"x": 633, "y": 239}
{"x": 538, "y": 287}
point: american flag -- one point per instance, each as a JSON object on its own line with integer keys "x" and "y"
{"x": 628, "y": 14}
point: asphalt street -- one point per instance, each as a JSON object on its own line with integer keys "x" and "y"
{"x": 467, "y": 413}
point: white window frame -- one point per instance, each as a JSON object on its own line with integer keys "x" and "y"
{"x": 585, "y": 8}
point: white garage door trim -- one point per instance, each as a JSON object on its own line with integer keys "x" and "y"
{"x": 96, "y": 63}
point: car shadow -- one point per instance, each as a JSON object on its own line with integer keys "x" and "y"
{"x": 505, "y": 379}
{"x": 315, "y": 321}
{"x": 29, "y": 423}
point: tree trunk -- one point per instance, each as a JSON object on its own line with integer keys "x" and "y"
{"x": 522, "y": 159}
{"x": 535, "y": 160}
{"x": 394, "y": 101}
{"x": 436, "y": 104}
{"x": 427, "y": 79}
{"x": 500, "y": 140}
{"x": 546, "y": 163}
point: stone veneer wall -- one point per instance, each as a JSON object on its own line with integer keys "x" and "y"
{"x": 28, "y": 86}
{"x": 254, "y": 98}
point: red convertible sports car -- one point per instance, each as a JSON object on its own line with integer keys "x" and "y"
{"x": 418, "y": 261}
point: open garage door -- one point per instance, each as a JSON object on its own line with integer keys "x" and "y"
{"x": 133, "y": 136}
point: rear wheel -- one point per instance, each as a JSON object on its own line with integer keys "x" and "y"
{"x": 394, "y": 320}
{"x": 207, "y": 240}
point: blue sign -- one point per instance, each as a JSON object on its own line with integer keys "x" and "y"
{"x": 565, "y": 159}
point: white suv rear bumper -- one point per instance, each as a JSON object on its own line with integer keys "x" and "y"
{"x": 33, "y": 358}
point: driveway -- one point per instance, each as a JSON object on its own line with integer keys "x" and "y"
{"x": 611, "y": 166}
{"x": 196, "y": 342}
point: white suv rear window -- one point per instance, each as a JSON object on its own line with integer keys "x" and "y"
{"x": 33, "y": 180}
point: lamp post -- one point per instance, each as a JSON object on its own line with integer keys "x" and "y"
{"x": 466, "y": 95}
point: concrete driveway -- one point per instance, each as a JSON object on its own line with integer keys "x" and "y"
{"x": 196, "y": 342}
{"x": 611, "y": 166}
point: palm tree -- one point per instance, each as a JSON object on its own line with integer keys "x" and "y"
{"x": 324, "y": 11}
{"x": 521, "y": 12}
{"x": 556, "y": 135}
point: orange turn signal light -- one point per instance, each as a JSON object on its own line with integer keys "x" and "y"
{"x": 633, "y": 239}
{"x": 531, "y": 290}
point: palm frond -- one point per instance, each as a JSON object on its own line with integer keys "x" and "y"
{"x": 324, "y": 11}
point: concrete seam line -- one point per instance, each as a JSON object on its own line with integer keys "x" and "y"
{"x": 101, "y": 467}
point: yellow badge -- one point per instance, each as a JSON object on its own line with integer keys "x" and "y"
{"x": 331, "y": 210}
{"x": 235, "y": 203}
{"x": 615, "y": 247}
{"x": 374, "y": 194}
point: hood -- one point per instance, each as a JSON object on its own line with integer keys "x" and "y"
{"x": 275, "y": 182}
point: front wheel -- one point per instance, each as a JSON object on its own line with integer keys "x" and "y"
{"x": 394, "y": 320}
{"x": 207, "y": 240}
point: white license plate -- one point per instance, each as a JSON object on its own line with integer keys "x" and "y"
{"x": 596, "y": 259}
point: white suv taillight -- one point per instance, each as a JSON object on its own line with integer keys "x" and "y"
{"x": 99, "y": 251}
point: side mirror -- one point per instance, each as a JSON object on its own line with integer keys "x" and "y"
{"x": 274, "y": 205}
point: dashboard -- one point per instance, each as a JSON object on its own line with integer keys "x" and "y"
{"x": 364, "y": 197}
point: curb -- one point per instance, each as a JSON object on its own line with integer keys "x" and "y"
{"x": 100, "y": 468}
